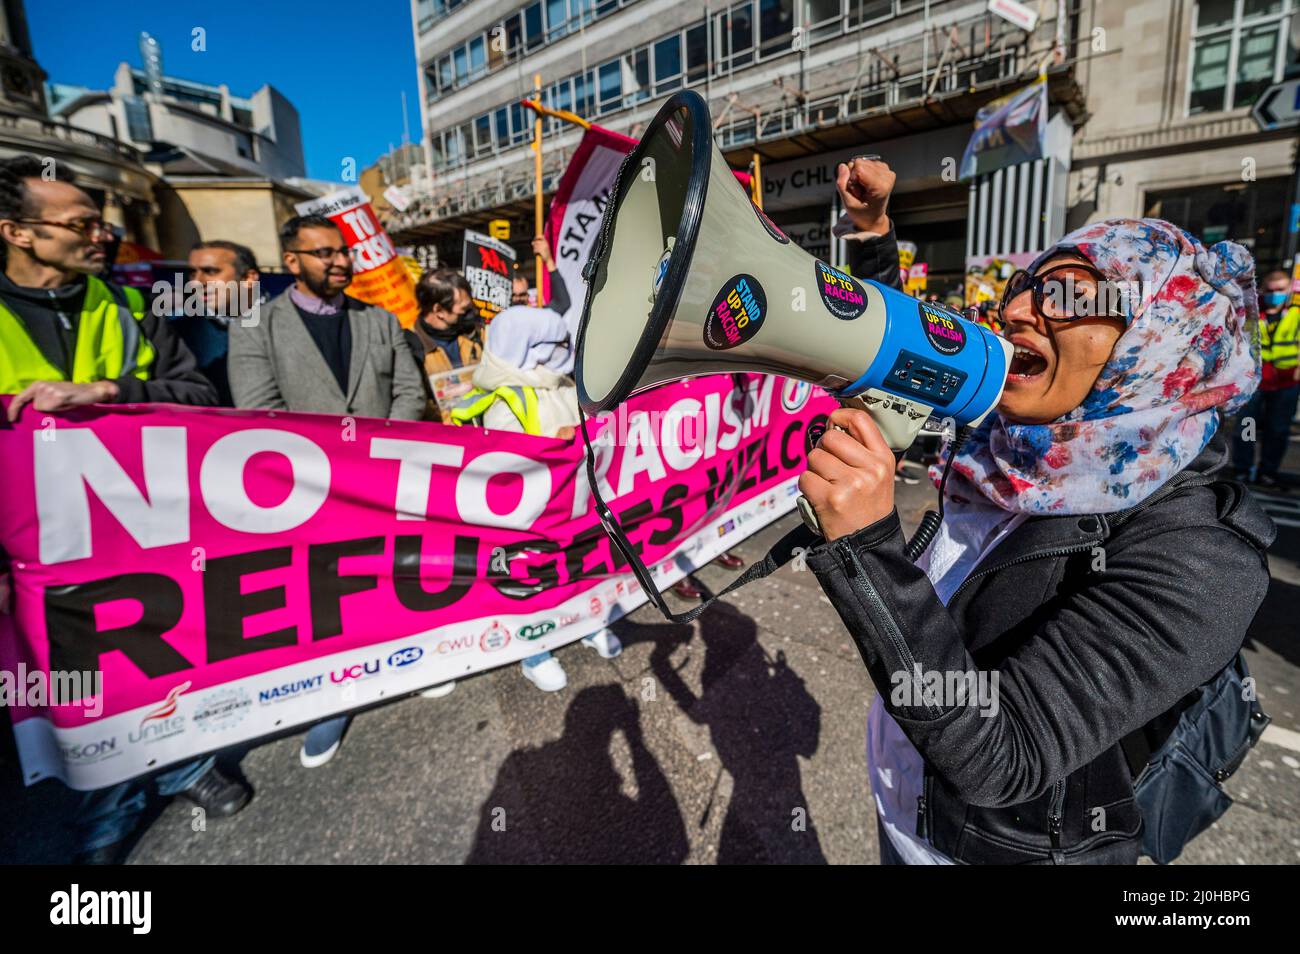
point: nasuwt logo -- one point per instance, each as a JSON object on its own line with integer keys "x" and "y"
{"x": 290, "y": 690}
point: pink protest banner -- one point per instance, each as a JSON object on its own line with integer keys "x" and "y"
{"x": 229, "y": 574}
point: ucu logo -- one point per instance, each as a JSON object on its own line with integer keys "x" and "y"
{"x": 358, "y": 671}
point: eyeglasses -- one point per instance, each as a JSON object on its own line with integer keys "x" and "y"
{"x": 91, "y": 228}
{"x": 324, "y": 254}
{"x": 1065, "y": 293}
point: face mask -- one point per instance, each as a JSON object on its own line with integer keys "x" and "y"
{"x": 1274, "y": 299}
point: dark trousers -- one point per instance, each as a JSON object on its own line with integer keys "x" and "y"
{"x": 1272, "y": 412}
{"x": 107, "y": 815}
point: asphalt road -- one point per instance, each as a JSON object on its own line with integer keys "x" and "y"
{"x": 736, "y": 739}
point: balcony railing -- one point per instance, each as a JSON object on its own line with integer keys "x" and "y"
{"x": 21, "y": 125}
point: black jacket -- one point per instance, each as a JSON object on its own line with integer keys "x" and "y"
{"x": 1088, "y": 652}
{"x": 173, "y": 378}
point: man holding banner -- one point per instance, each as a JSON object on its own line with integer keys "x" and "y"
{"x": 69, "y": 339}
{"x": 320, "y": 351}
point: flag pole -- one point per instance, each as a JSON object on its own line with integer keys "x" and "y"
{"x": 562, "y": 114}
{"x": 537, "y": 173}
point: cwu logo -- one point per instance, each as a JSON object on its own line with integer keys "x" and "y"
{"x": 405, "y": 656}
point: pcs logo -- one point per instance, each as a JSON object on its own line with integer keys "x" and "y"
{"x": 405, "y": 657}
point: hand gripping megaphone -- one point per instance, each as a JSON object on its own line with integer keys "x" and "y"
{"x": 689, "y": 277}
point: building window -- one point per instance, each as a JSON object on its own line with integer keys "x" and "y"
{"x": 1249, "y": 216}
{"x": 861, "y": 12}
{"x": 775, "y": 19}
{"x": 584, "y": 94}
{"x": 557, "y": 19}
{"x": 668, "y": 63}
{"x": 636, "y": 76}
{"x": 697, "y": 53}
{"x": 1237, "y": 52}
{"x": 534, "y": 34}
{"x": 611, "y": 87}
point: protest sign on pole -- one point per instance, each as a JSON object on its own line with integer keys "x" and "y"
{"x": 378, "y": 275}
{"x": 489, "y": 266}
{"x": 579, "y": 205}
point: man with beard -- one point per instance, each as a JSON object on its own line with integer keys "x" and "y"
{"x": 316, "y": 350}
{"x": 228, "y": 274}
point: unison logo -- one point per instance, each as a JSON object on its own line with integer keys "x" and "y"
{"x": 103, "y": 907}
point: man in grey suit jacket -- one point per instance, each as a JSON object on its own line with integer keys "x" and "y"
{"x": 314, "y": 349}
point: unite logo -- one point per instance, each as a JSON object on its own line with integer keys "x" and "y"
{"x": 167, "y": 707}
{"x": 358, "y": 671}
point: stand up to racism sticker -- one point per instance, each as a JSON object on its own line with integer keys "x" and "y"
{"x": 842, "y": 296}
{"x": 736, "y": 313}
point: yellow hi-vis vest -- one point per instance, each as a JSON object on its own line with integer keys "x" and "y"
{"x": 522, "y": 400}
{"x": 109, "y": 343}
{"x": 1280, "y": 346}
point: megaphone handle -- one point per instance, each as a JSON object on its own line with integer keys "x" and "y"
{"x": 899, "y": 420}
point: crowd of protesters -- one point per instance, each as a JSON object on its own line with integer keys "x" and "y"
{"x": 69, "y": 338}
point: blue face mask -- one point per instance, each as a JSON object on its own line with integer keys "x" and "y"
{"x": 1273, "y": 299}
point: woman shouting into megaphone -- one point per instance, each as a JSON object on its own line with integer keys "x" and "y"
{"x": 1093, "y": 571}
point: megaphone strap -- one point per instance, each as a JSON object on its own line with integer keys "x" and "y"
{"x": 798, "y": 540}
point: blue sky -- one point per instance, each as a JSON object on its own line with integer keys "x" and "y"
{"x": 342, "y": 64}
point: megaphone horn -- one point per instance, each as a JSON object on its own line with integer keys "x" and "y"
{"x": 688, "y": 277}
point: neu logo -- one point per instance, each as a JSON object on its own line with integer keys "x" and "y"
{"x": 536, "y": 630}
{"x": 359, "y": 671}
{"x": 406, "y": 656}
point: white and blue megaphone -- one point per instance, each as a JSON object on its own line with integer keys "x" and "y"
{"x": 689, "y": 277}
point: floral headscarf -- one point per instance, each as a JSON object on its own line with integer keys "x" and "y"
{"x": 1190, "y": 349}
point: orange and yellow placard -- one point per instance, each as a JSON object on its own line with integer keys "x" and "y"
{"x": 379, "y": 277}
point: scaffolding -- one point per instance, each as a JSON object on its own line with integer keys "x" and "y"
{"x": 940, "y": 74}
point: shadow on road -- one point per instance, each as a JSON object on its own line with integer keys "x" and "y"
{"x": 760, "y": 718}
{"x": 566, "y": 801}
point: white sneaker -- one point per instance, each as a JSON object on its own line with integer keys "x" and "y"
{"x": 316, "y": 761}
{"x": 547, "y": 676}
{"x": 440, "y": 690}
{"x": 605, "y": 643}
